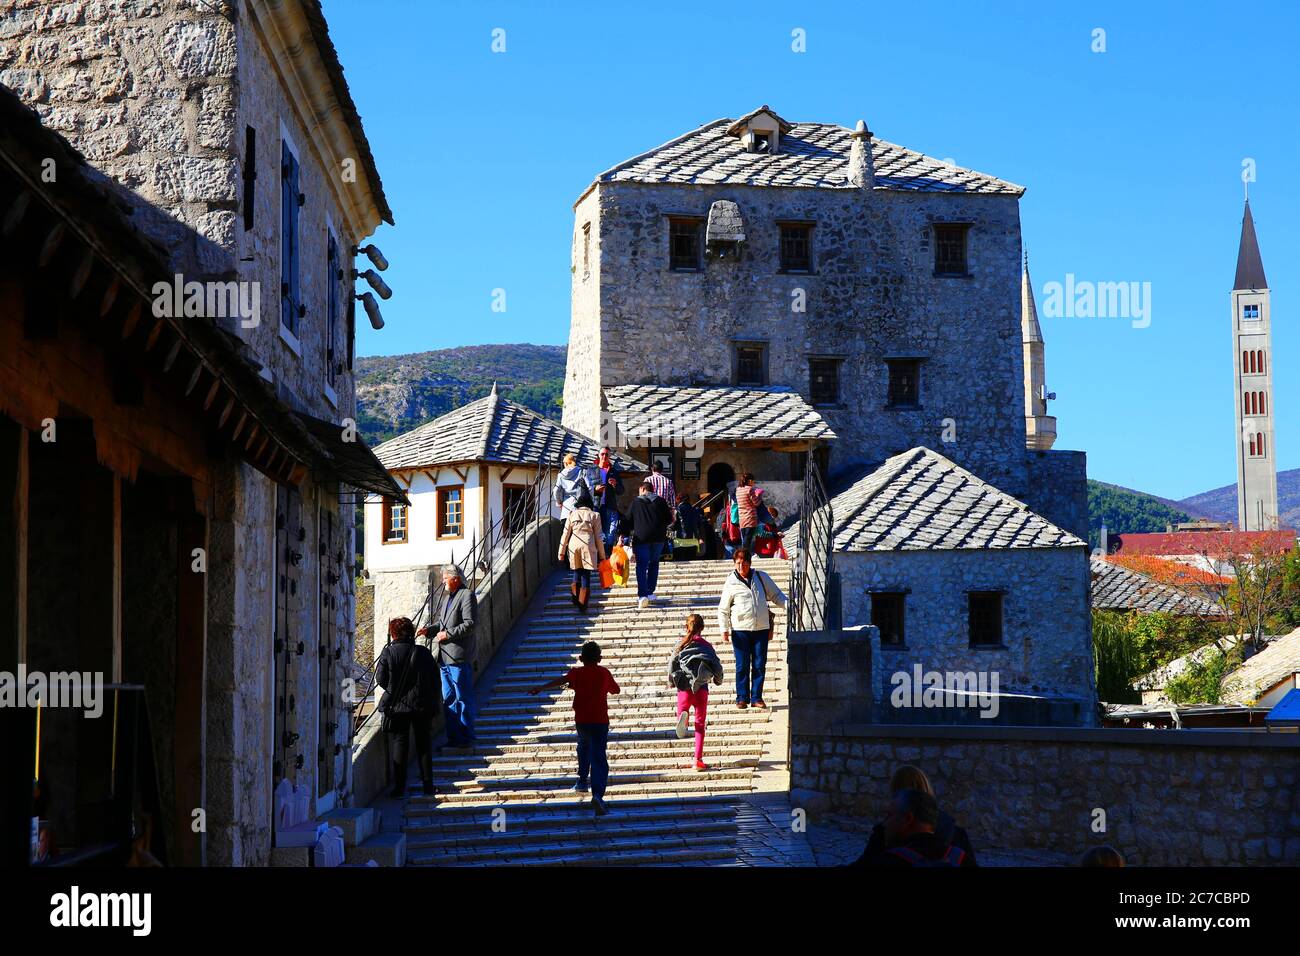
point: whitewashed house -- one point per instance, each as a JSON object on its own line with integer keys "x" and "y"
{"x": 461, "y": 473}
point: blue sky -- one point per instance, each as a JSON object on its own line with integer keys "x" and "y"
{"x": 1132, "y": 158}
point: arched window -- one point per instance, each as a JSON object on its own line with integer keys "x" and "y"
{"x": 1263, "y": 404}
{"x": 1261, "y": 361}
{"x": 1252, "y": 446}
{"x": 1245, "y": 403}
{"x": 1245, "y": 361}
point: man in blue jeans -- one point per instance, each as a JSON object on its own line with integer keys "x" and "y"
{"x": 745, "y": 620}
{"x": 453, "y": 630}
{"x": 648, "y": 521}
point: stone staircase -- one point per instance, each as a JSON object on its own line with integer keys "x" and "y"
{"x": 509, "y": 801}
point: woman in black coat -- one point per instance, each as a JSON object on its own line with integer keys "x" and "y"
{"x": 409, "y": 676}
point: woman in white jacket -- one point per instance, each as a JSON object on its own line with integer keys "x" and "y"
{"x": 572, "y": 481}
{"x": 746, "y": 622}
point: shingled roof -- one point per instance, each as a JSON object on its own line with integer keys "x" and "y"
{"x": 716, "y": 413}
{"x": 1116, "y": 588}
{"x": 921, "y": 501}
{"x": 814, "y": 155}
{"x": 1278, "y": 660}
{"x": 493, "y": 430}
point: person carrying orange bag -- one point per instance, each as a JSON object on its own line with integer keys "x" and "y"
{"x": 619, "y": 564}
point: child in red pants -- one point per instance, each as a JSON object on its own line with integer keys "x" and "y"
{"x": 694, "y": 663}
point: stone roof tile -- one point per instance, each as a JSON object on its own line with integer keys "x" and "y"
{"x": 716, "y": 412}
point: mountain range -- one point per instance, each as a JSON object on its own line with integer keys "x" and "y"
{"x": 397, "y": 392}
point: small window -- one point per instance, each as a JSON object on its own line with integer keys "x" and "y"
{"x": 586, "y": 250}
{"x": 796, "y": 247}
{"x": 250, "y": 175}
{"x": 824, "y": 381}
{"x": 451, "y": 512}
{"x": 290, "y": 204}
{"x": 333, "y": 275}
{"x": 950, "y": 249}
{"x": 887, "y": 611}
{"x": 904, "y": 383}
{"x": 985, "y": 608}
{"x": 1250, "y": 312}
{"x": 751, "y": 365}
{"x": 762, "y": 142}
{"x": 395, "y": 531}
{"x": 684, "y": 244}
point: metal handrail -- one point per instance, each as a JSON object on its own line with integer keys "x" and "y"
{"x": 810, "y": 576}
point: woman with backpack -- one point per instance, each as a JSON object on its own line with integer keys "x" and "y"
{"x": 407, "y": 673}
{"x": 693, "y": 665}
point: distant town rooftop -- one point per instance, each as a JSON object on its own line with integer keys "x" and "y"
{"x": 1198, "y": 542}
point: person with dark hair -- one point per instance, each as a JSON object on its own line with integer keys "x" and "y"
{"x": 1104, "y": 855}
{"x": 909, "y": 777}
{"x": 910, "y": 838}
{"x": 591, "y": 685}
{"x": 746, "y": 622}
{"x": 648, "y": 520}
{"x": 693, "y": 665}
{"x": 408, "y": 674}
{"x": 661, "y": 483}
{"x": 583, "y": 545}
{"x": 607, "y": 485}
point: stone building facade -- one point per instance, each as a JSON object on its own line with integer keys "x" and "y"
{"x": 856, "y": 263}
{"x": 227, "y": 128}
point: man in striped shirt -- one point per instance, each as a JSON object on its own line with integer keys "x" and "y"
{"x": 661, "y": 485}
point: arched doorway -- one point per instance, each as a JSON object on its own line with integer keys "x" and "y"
{"x": 720, "y": 476}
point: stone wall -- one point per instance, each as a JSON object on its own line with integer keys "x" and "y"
{"x": 1058, "y": 489}
{"x": 1047, "y": 639}
{"x": 1170, "y": 797}
{"x": 873, "y": 294}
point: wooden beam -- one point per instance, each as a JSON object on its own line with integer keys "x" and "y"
{"x": 212, "y": 394}
{"x": 15, "y": 213}
{"x": 239, "y": 425}
{"x": 252, "y": 436}
{"x": 132, "y": 318}
{"x": 154, "y": 334}
{"x": 225, "y": 412}
{"x": 110, "y": 296}
{"x": 194, "y": 377}
{"x": 53, "y": 239}
{"x": 82, "y": 275}
{"x": 172, "y": 354}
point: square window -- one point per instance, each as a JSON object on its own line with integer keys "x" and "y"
{"x": 684, "y": 244}
{"x": 751, "y": 365}
{"x": 904, "y": 383}
{"x": 824, "y": 381}
{"x": 394, "y": 522}
{"x": 451, "y": 512}
{"x": 1250, "y": 312}
{"x": 887, "y": 612}
{"x": 950, "y": 249}
{"x": 985, "y": 612}
{"x": 796, "y": 247}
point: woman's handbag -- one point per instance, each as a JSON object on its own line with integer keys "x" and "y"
{"x": 606, "y": 574}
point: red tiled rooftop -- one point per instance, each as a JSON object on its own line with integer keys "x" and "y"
{"x": 1210, "y": 542}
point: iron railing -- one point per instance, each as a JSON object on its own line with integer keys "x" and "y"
{"x": 491, "y": 554}
{"x": 810, "y": 577}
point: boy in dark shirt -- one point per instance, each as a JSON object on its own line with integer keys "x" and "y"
{"x": 591, "y": 684}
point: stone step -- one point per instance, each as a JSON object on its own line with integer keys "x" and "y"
{"x": 704, "y": 784}
{"x": 642, "y": 830}
{"x": 545, "y": 782}
{"x": 651, "y": 750}
{"x": 471, "y": 775}
{"x": 550, "y": 812}
{"x": 636, "y": 856}
{"x": 386, "y": 849}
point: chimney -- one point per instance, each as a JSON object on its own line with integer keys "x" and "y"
{"x": 1103, "y": 543}
{"x": 862, "y": 171}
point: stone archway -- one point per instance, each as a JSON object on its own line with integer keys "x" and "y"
{"x": 720, "y": 475}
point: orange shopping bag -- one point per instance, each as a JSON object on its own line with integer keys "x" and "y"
{"x": 606, "y": 574}
{"x": 619, "y": 564}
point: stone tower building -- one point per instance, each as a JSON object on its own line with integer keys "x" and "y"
{"x": 784, "y": 289}
{"x": 1040, "y": 427}
{"x": 1253, "y": 361}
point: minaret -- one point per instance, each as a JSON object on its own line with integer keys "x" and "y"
{"x": 1040, "y": 427}
{"x": 1253, "y": 359}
